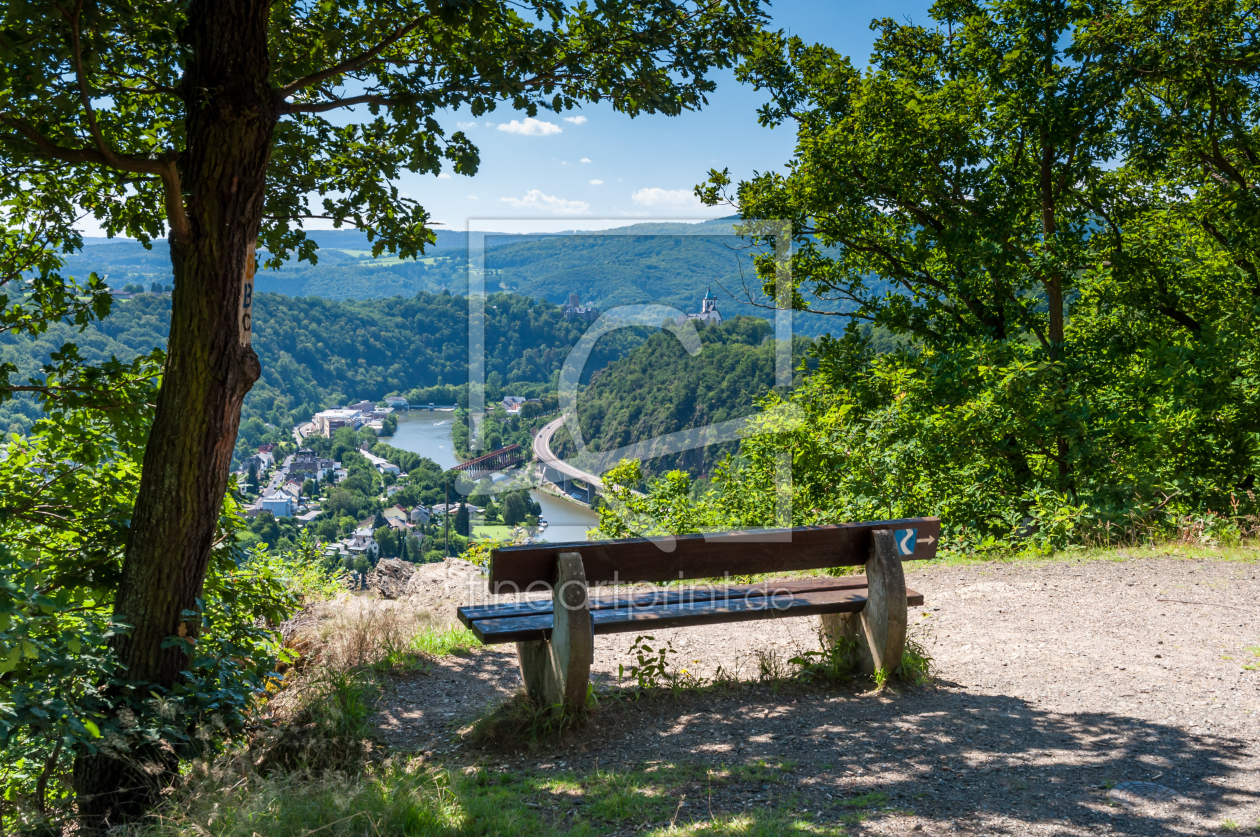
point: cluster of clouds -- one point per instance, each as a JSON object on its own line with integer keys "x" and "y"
{"x": 528, "y": 127}
{"x": 650, "y": 198}
{"x": 535, "y": 200}
{"x": 666, "y": 198}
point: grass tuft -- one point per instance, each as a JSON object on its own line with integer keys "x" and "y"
{"x": 442, "y": 642}
{"x": 520, "y": 723}
{"x": 230, "y": 799}
{"x": 329, "y": 728}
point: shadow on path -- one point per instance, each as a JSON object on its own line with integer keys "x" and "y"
{"x": 943, "y": 760}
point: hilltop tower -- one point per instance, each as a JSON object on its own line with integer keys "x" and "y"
{"x": 709, "y": 315}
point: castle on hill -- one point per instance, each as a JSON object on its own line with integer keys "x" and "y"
{"x": 576, "y": 311}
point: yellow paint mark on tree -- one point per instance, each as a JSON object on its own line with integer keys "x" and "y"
{"x": 246, "y": 316}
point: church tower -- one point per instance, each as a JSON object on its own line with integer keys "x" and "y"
{"x": 709, "y": 315}
{"x": 708, "y": 305}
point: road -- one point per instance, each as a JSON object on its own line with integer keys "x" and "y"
{"x": 542, "y": 453}
{"x": 279, "y": 477}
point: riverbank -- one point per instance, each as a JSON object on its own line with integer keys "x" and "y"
{"x": 429, "y": 435}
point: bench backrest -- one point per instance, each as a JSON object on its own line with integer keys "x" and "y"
{"x": 715, "y": 554}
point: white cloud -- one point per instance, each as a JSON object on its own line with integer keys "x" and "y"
{"x": 576, "y": 120}
{"x": 676, "y": 198}
{"x": 444, "y": 176}
{"x": 535, "y": 199}
{"x": 585, "y": 160}
{"x": 472, "y": 197}
{"x": 531, "y": 127}
{"x": 597, "y": 183}
{"x": 465, "y": 125}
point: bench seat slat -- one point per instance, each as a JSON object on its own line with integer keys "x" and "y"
{"x": 538, "y": 626}
{"x": 665, "y": 596}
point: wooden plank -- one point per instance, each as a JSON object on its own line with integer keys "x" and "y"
{"x": 682, "y": 614}
{"x": 640, "y": 560}
{"x": 631, "y": 597}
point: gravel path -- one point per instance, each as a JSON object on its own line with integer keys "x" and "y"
{"x": 1056, "y": 682}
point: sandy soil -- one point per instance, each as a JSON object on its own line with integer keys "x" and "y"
{"x": 1055, "y": 682}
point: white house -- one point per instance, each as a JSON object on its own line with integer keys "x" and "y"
{"x": 442, "y": 508}
{"x": 307, "y": 465}
{"x": 512, "y": 404}
{"x": 395, "y": 401}
{"x": 279, "y": 503}
{"x": 329, "y": 421}
{"x": 261, "y": 461}
{"x": 362, "y": 543}
{"x": 382, "y": 465}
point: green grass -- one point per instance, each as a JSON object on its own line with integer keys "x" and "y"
{"x": 441, "y": 642}
{"x": 496, "y": 532}
{"x": 1255, "y": 653}
{"x": 868, "y": 800}
{"x": 402, "y": 798}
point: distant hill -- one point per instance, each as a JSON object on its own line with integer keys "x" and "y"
{"x": 317, "y": 353}
{"x": 659, "y": 389}
{"x": 656, "y": 262}
{"x": 345, "y": 267}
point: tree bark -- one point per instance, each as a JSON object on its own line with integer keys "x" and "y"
{"x": 1054, "y": 291}
{"x": 230, "y": 116}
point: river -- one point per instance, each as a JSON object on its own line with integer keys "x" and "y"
{"x": 429, "y": 434}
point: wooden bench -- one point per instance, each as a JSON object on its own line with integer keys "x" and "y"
{"x": 554, "y": 635}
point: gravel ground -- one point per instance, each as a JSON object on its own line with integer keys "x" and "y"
{"x": 1056, "y": 681}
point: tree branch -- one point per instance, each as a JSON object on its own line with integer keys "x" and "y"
{"x": 322, "y": 107}
{"x": 103, "y": 155}
{"x": 350, "y": 64}
{"x": 76, "y": 53}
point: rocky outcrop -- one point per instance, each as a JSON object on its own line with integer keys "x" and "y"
{"x": 452, "y": 576}
{"x": 390, "y": 577}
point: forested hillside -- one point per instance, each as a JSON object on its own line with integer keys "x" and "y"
{"x": 669, "y": 263}
{"x": 345, "y": 267}
{"x": 317, "y": 353}
{"x": 659, "y": 389}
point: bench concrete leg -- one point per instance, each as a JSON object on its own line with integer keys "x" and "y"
{"x": 557, "y": 671}
{"x": 846, "y": 629}
{"x": 885, "y": 616}
{"x": 880, "y": 629}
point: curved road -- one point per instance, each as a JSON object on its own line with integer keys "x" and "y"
{"x": 542, "y": 453}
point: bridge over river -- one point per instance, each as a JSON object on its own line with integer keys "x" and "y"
{"x": 560, "y": 472}
{"x": 430, "y": 435}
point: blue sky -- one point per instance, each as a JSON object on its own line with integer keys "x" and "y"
{"x": 594, "y": 168}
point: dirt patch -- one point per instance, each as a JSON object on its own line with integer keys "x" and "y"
{"x": 1057, "y": 682}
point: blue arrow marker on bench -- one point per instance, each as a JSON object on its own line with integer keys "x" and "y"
{"x": 905, "y": 539}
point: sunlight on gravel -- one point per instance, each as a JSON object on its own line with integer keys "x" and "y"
{"x": 1056, "y": 682}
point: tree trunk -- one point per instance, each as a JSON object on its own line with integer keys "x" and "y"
{"x": 1054, "y": 292}
{"x": 210, "y": 366}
